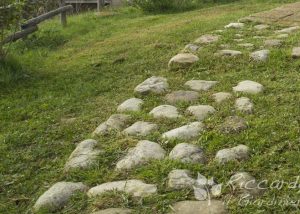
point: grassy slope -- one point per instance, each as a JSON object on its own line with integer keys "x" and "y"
{"x": 101, "y": 61}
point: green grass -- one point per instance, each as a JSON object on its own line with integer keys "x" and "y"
{"x": 87, "y": 69}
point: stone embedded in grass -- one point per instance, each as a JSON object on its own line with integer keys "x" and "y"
{"x": 221, "y": 96}
{"x": 207, "y": 39}
{"x": 156, "y": 85}
{"x": 141, "y": 128}
{"x": 261, "y": 55}
{"x": 187, "y": 153}
{"x": 296, "y": 52}
{"x": 58, "y": 195}
{"x": 200, "y": 85}
{"x": 259, "y": 37}
{"x": 165, "y": 111}
{"x": 180, "y": 179}
{"x": 193, "y": 207}
{"x": 183, "y": 60}
{"x": 273, "y": 43}
{"x": 244, "y": 104}
{"x": 114, "y": 211}
{"x": 144, "y": 152}
{"x": 132, "y": 104}
{"x": 233, "y": 124}
{"x": 186, "y": 132}
{"x": 137, "y": 188}
{"x": 261, "y": 27}
{"x": 201, "y": 112}
{"x": 246, "y": 45}
{"x": 238, "y": 40}
{"x": 248, "y": 86}
{"x": 235, "y": 25}
{"x": 191, "y": 48}
{"x": 288, "y": 30}
{"x": 228, "y": 53}
{"x": 282, "y": 36}
{"x": 83, "y": 156}
{"x": 239, "y": 153}
{"x": 116, "y": 122}
{"x": 182, "y": 96}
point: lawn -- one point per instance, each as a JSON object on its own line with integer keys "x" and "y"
{"x": 87, "y": 69}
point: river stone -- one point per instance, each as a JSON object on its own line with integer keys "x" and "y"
{"x": 187, "y": 153}
{"x": 282, "y": 36}
{"x": 244, "y": 104}
{"x": 137, "y": 188}
{"x": 201, "y": 112}
{"x": 195, "y": 207}
{"x": 180, "y": 179}
{"x": 182, "y": 60}
{"x": 156, "y": 85}
{"x": 261, "y": 27}
{"x": 288, "y": 30}
{"x": 58, "y": 195}
{"x": 132, "y": 104}
{"x": 182, "y": 96}
{"x": 273, "y": 43}
{"x": 248, "y": 86}
{"x": 240, "y": 153}
{"x": 228, "y": 53}
{"x": 114, "y": 211}
{"x": 246, "y": 45}
{"x": 141, "y": 128}
{"x": 144, "y": 152}
{"x": 186, "y": 132}
{"x": 296, "y": 52}
{"x": 207, "y": 39}
{"x": 165, "y": 111}
{"x": 235, "y": 25}
{"x": 116, "y": 122}
{"x": 233, "y": 124}
{"x": 261, "y": 55}
{"x": 191, "y": 48}
{"x": 221, "y": 96}
{"x": 83, "y": 156}
{"x": 200, "y": 85}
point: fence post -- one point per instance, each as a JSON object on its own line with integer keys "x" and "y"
{"x": 63, "y": 15}
{"x": 98, "y": 5}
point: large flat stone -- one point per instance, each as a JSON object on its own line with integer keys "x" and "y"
{"x": 165, "y": 111}
{"x": 186, "y": 132}
{"x": 132, "y": 104}
{"x": 141, "y": 128}
{"x": 248, "y": 86}
{"x": 244, "y": 104}
{"x": 239, "y": 153}
{"x": 156, "y": 85}
{"x": 188, "y": 153}
{"x": 200, "y": 85}
{"x": 221, "y": 96}
{"x": 261, "y": 55}
{"x": 183, "y": 60}
{"x": 182, "y": 96}
{"x": 201, "y": 112}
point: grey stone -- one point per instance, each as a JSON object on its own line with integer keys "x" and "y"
{"x": 221, "y": 96}
{"x": 180, "y": 179}
{"x": 191, "y": 48}
{"x": 273, "y": 43}
{"x": 282, "y": 36}
{"x": 205, "y": 207}
{"x": 207, "y": 39}
{"x": 239, "y": 153}
{"x": 235, "y": 25}
{"x": 228, "y": 53}
{"x": 165, "y": 111}
{"x": 201, "y": 112}
{"x": 58, "y": 195}
{"x": 182, "y": 96}
{"x": 144, "y": 152}
{"x": 114, "y": 211}
{"x": 187, "y": 153}
{"x": 296, "y": 52}
{"x": 248, "y": 86}
{"x": 132, "y": 104}
{"x": 183, "y": 60}
{"x": 141, "y": 128}
{"x": 288, "y": 30}
{"x": 259, "y": 37}
{"x": 244, "y": 104}
{"x": 200, "y": 85}
{"x": 186, "y": 132}
{"x": 238, "y": 40}
{"x": 137, "y": 188}
{"x": 156, "y": 85}
{"x": 261, "y": 27}
{"x": 83, "y": 156}
{"x": 246, "y": 45}
{"x": 233, "y": 124}
{"x": 261, "y": 55}
{"x": 116, "y": 122}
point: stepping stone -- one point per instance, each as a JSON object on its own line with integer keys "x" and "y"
{"x": 296, "y": 52}
{"x": 182, "y": 96}
{"x": 156, "y": 85}
{"x": 246, "y": 45}
{"x": 165, "y": 111}
{"x": 207, "y": 39}
{"x": 180, "y": 179}
{"x": 191, "y": 48}
{"x": 282, "y": 36}
{"x": 141, "y": 128}
{"x": 137, "y": 188}
{"x": 186, "y": 132}
{"x": 132, "y": 104}
{"x": 83, "y": 156}
{"x": 114, "y": 211}
{"x": 244, "y": 104}
{"x": 233, "y": 124}
{"x": 201, "y": 112}
{"x": 200, "y": 85}
{"x": 239, "y": 153}
{"x": 56, "y": 197}
{"x": 193, "y": 207}
{"x": 261, "y": 27}
{"x": 228, "y": 53}
{"x": 187, "y": 153}
{"x": 238, "y": 40}
{"x": 116, "y": 122}
{"x": 235, "y": 25}
{"x": 183, "y": 60}
{"x": 288, "y": 30}
{"x": 144, "y": 152}
{"x": 261, "y": 55}
{"x": 245, "y": 184}
{"x": 221, "y": 96}
{"x": 273, "y": 43}
{"x": 248, "y": 86}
